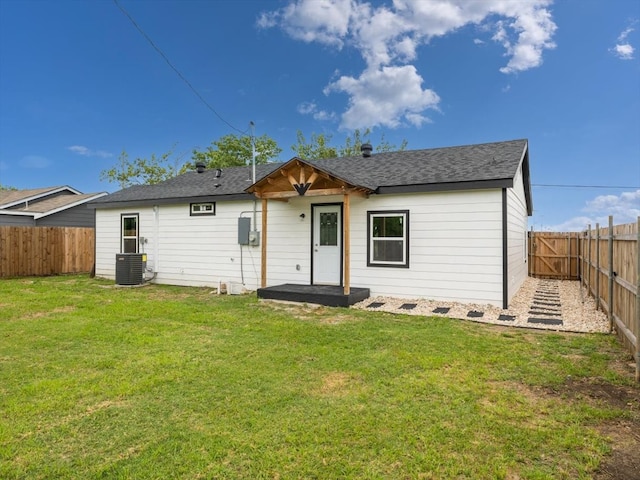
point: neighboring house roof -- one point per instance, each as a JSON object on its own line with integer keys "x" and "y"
{"x": 9, "y": 198}
{"x": 489, "y": 165}
{"x": 41, "y": 202}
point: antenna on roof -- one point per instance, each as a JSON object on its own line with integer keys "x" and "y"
{"x": 253, "y": 175}
{"x": 253, "y": 151}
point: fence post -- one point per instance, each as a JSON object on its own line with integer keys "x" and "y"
{"x": 610, "y": 273}
{"x": 638, "y": 300}
{"x": 583, "y": 252}
{"x": 569, "y": 256}
{"x": 597, "y": 266}
{"x": 588, "y": 259}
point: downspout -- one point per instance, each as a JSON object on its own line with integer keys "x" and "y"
{"x": 505, "y": 256}
{"x": 156, "y": 241}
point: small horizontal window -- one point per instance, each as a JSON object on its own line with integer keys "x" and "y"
{"x": 208, "y": 208}
{"x": 388, "y": 244}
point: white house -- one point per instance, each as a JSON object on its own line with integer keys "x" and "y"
{"x": 444, "y": 224}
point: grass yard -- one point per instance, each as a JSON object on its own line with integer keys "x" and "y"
{"x": 169, "y": 382}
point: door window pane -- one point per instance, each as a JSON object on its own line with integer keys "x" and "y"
{"x": 329, "y": 229}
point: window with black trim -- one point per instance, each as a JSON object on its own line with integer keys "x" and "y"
{"x": 388, "y": 234}
{"x": 207, "y": 208}
{"x": 129, "y": 230}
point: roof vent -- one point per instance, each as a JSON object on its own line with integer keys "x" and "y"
{"x": 366, "y": 149}
{"x": 200, "y": 166}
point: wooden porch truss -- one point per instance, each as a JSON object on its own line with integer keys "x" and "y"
{"x": 297, "y": 178}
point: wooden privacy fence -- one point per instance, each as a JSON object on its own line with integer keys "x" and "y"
{"x": 26, "y": 251}
{"x": 610, "y": 259}
{"x": 606, "y": 261}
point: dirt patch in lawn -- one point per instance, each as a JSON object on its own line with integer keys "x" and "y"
{"x": 65, "y": 309}
{"x": 338, "y": 384}
{"x": 623, "y": 435}
{"x": 624, "y": 460}
{"x": 616, "y": 396}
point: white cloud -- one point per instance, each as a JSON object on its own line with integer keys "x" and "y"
{"x": 625, "y": 208}
{"x": 86, "y": 152}
{"x": 624, "y": 52}
{"x": 310, "y": 108}
{"x": 623, "y": 49}
{"x": 385, "y": 97}
{"x": 306, "y": 108}
{"x": 324, "y": 21}
{"x": 79, "y": 149}
{"x": 388, "y": 37}
{"x": 477, "y": 41}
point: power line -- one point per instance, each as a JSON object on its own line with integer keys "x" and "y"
{"x": 579, "y": 186}
{"x": 166, "y": 59}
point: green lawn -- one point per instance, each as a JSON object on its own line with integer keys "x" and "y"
{"x": 170, "y": 382}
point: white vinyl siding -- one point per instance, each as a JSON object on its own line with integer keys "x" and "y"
{"x": 289, "y": 239}
{"x": 191, "y": 250}
{"x": 455, "y": 243}
{"x": 517, "y": 220}
{"x": 455, "y": 247}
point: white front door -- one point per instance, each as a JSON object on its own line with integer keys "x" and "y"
{"x": 327, "y": 244}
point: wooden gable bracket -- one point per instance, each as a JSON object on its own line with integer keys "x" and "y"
{"x": 302, "y": 184}
{"x": 301, "y": 178}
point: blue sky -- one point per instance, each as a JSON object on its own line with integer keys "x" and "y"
{"x": 79, "y": 84}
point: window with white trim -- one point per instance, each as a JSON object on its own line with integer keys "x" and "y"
{"x": 129, "y": 230}
{"x": 388, "y": 234}
{"x": 208, "y": 208}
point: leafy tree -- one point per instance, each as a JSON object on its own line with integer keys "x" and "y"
{"x": 319, "y": 145}
{"x": 233, "y": 151}
{"x": 6, "y": 187}
{"x": 141, "y": 171}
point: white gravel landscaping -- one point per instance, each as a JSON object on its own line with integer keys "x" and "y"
{"x": 578, "y": 310}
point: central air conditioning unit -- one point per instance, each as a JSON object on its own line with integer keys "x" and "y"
{"x": 130, "y": 268}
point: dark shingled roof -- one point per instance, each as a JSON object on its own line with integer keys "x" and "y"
{"x": 488, "y": 165}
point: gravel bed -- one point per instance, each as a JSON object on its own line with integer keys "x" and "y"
{"x": 577, "y": 310}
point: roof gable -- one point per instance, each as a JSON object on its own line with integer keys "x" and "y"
{"x": 9, "y": 198}
{"x": 42, "y": 202}
{"x": 298, "y": 177}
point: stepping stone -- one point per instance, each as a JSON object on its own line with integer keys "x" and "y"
{"x": 441, "y": 310}
{"x": 545, "y": 321}
{"x": 551, "y": 314}
{"x": 475, "y": 314}
{"x": 535, "y": 302}
{"x": 408, "y": 306}
{"x": 507, "y": 318}
{"x": 375, "y": 304}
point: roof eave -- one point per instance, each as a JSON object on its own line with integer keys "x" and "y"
{"x": 173, "y": 200}
{"x": 446, "y": 186}
{"x": 526, "y": 179}
{"x": 67, "y": 207}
